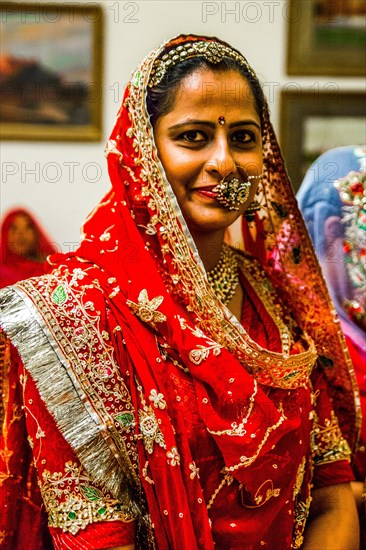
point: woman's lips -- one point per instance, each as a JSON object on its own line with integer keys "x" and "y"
{"x": 207, "y": 191}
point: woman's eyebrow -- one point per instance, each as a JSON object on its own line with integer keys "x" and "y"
{"x": 213, "y": 124}
{"x": 245, "y": 123}
{"x": 194, "y": 123}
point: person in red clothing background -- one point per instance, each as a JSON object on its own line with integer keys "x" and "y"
{"x": 24, "y": 247}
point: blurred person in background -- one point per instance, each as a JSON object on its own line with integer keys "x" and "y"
{"x": 24, "y": 247}
{"x": 332, "y": 199}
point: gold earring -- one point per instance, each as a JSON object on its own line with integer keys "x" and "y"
{"x": 249, "y": 213}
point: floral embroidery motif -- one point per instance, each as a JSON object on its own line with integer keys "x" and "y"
{"x": 145, "y": 309}
{"x": 157, "y": 399}
{"x": 200, "y": 353}
{"x": 150, "y": 430}
{"x": 327, "y": 442}
{"x": 195, "y": 471}
{"x": 72, "y": 502}
{"x": 173, "y": 457}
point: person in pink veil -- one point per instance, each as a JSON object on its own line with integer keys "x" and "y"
{"x": 24, "y": 247}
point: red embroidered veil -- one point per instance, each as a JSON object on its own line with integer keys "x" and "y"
{"x": 138, "y": 228}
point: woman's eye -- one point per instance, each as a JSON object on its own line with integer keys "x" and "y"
{"x": 243, "y": 136}
{"x": 193, "y": 136}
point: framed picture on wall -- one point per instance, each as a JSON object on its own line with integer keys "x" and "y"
{"x": 326, "y": 37}
{"x": 312, "y": 122}
{"x": 50, "y": 71}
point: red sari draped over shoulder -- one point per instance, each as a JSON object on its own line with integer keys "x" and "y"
{"x": 153, "y": 415}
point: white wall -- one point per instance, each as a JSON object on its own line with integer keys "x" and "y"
{"x": 257, "y": 28}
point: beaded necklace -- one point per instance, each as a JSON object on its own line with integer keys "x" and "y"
{"x": 224, "y": 277}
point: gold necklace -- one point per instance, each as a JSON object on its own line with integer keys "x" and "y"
{"x": 224, "y": 277}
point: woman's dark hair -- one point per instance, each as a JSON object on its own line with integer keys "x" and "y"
{"x": 161, "y": 98}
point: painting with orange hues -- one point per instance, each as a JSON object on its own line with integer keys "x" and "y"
{"x": 50, "y": 71}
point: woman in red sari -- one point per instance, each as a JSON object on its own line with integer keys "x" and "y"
{"x": 24, "y": 247}
{"x": 176, "y": 392}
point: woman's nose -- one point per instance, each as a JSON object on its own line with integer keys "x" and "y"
{"x": 221, "y": 160}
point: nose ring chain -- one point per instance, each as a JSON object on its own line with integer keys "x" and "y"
{"x": 232, "y": 193}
